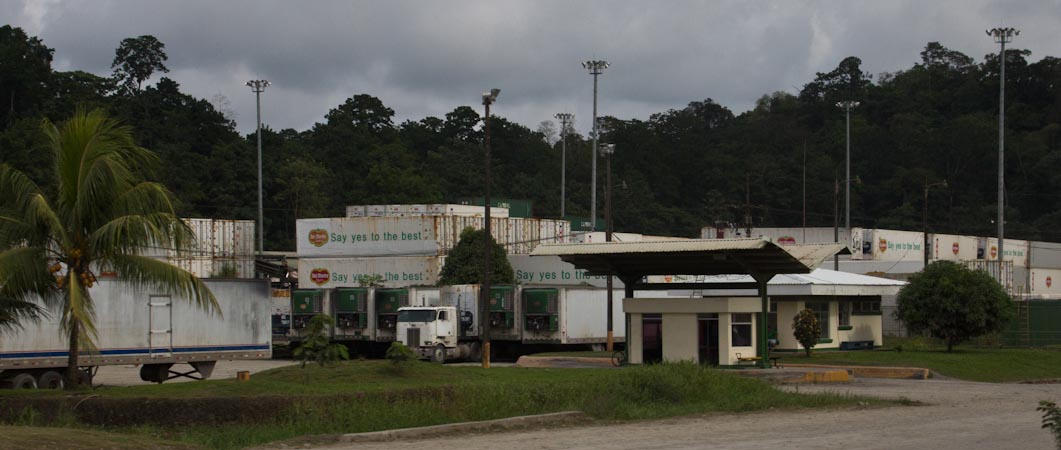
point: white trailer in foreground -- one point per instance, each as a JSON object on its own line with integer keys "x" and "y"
{"x": 155, "y": 331}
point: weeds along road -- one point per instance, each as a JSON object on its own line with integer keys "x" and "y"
{"x": 961, "y": 416}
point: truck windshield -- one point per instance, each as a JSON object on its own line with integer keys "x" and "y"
{"x": 416, "y": 315}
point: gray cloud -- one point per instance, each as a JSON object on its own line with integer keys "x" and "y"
{"x": 425, "y": 58}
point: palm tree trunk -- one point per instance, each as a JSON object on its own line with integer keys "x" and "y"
{"x": 71, "y": 362}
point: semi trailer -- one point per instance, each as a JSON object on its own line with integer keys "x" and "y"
{"x": 153, "y": 330}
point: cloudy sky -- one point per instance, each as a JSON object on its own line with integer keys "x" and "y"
{"x": 424, "y": 58}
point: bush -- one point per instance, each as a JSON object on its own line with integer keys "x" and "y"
{"x": 317, "y": 347}
{"x": 806, "y": 329}
{"x": 1051, "y": 419}
{"x": 400, "y": 356}
{"x": 953, "y": 303}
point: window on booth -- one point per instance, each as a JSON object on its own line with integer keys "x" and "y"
{"x": 742, "y": 329}
{"x": 821, "y": 311}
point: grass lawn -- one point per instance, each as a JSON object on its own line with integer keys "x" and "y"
{"x": 997, "y": 365}
{"x": 317, "y": 405}
{"x": 40, "y": 438}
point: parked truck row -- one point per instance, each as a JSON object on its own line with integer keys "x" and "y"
{"x": 442, "y": 323}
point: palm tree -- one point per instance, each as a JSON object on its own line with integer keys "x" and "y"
{"x": 102, "y": 217}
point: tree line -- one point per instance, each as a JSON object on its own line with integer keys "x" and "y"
{"x": 674, "y": 172}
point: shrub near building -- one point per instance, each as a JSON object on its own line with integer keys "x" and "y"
{"x": 953, "y": 303}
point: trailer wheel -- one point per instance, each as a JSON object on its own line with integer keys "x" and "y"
{"x": 23, "y": 381}
{"x": 438, "y": 355}
{"x": 156, "y": 373}
{"x": 51, "y": 380}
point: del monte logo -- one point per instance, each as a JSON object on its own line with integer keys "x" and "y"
{"x": 882, "y": 244}
{"x": 786, "y": 240}
{"x": 318, "y": 237}
{"x": 320, "y": 276}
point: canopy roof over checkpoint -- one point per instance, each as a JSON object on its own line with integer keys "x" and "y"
{"x": 632, "y": 261}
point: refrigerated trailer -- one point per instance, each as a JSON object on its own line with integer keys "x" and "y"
{"x": 150, "y": 329}
{"x": 366, "y": 318}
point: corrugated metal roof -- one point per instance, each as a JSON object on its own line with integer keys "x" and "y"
{"x": 692, "y": 256}
{"x": 819, "y": 282}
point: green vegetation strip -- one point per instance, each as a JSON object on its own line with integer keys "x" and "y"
{"x": 39, "y": 438}
{"x": 974, "y": 364}
{"x": 329, "y": 400}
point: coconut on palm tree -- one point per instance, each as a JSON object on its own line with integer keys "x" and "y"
{"x": 103, "y": 215}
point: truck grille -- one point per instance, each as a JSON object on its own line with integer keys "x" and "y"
{"x": 412, "y": 338}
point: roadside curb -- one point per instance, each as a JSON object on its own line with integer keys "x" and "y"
{"x": 560, "y": 361}
{"x": 462, "y": 427}
{"x": 910, "y": 373}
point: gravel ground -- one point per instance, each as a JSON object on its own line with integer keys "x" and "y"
{"x": 959, "y": 416}
{"x": 130, "y": 375}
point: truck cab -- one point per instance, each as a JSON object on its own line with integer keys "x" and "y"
{"x": 434, "y": 333}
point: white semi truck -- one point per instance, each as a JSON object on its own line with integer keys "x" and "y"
{"x": 522, "y": 320}
{"x": 152, "y": 330}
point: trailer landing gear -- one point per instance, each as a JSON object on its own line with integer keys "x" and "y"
{"x": 158, "y": 373}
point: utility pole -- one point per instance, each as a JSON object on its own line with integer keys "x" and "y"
{"x": 804, "y": 241}
{"x": 847, "y": 106}
{"x": 1001, "y": 36}
{"x": 747, "y": 205}
{"x": 488, "y": 250}
{"x": 565, "y": 121}
{"x": 836, "y": 220}
{"x": 258, "y": 86}
{"x": 608, "y": 150}
{"x": 924, "y": 226}
{"x": 595, "y": 68}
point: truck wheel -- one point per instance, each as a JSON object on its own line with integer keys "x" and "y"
{"x": 50, "y": 380}
{"x": 23, "y": 381}
{"x": 438, "y": 355}
{"x": 156, "y": 373}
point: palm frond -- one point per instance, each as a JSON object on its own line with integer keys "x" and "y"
{"x": 24, "y": 277}
{"x": 154, "y": 275}
{"x": 14, "y": 312}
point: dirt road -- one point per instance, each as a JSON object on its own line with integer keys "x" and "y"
{"x": 961, "y": 416}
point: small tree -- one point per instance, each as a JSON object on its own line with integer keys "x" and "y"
{"x": 806, "y": 329}
{"x": 953, "y": 303}
{"x": 317, "y": 347}
{"x": 464, "y": 264}
{"x": 1051, "y": 419}
{"x": 400, "y": 357}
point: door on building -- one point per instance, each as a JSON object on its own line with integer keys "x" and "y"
{"x": 651, "y": 338}
{"x": 708, "y": 338}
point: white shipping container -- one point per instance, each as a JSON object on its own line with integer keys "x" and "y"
{"x": 345, "y": 272}
{"x": 781, "y": 236}
{"x": 366, "y": 236}
{"x": 1016, "y": 250}
{"x": 1046, "y": 283}
{"x": 355, "y": 211}
{"x": 894, "y": 245}
{"x": 416, "y": 210}
{"x": 949, "y": 247}
{"x": 589, "y": 237}
{"x": 553, "y": 271}
{"x": 584, "y": 312}
{"x": 375, "y": 210}
{"x": 397, "y": 210}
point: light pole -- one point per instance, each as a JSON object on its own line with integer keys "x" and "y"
{"x": 607, "y": 151}
{"x": 484, "y": 290}
{"x": 847, "y": 106}
{"x": 595, "y": 68}
{"x": 565, "y": 120}
{"x": 924, "y": 227}
{"x": 1002, "y": 36}
{"x": 258, "y": 86}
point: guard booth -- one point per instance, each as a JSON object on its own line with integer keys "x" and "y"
{"x": 681, "y": 329}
